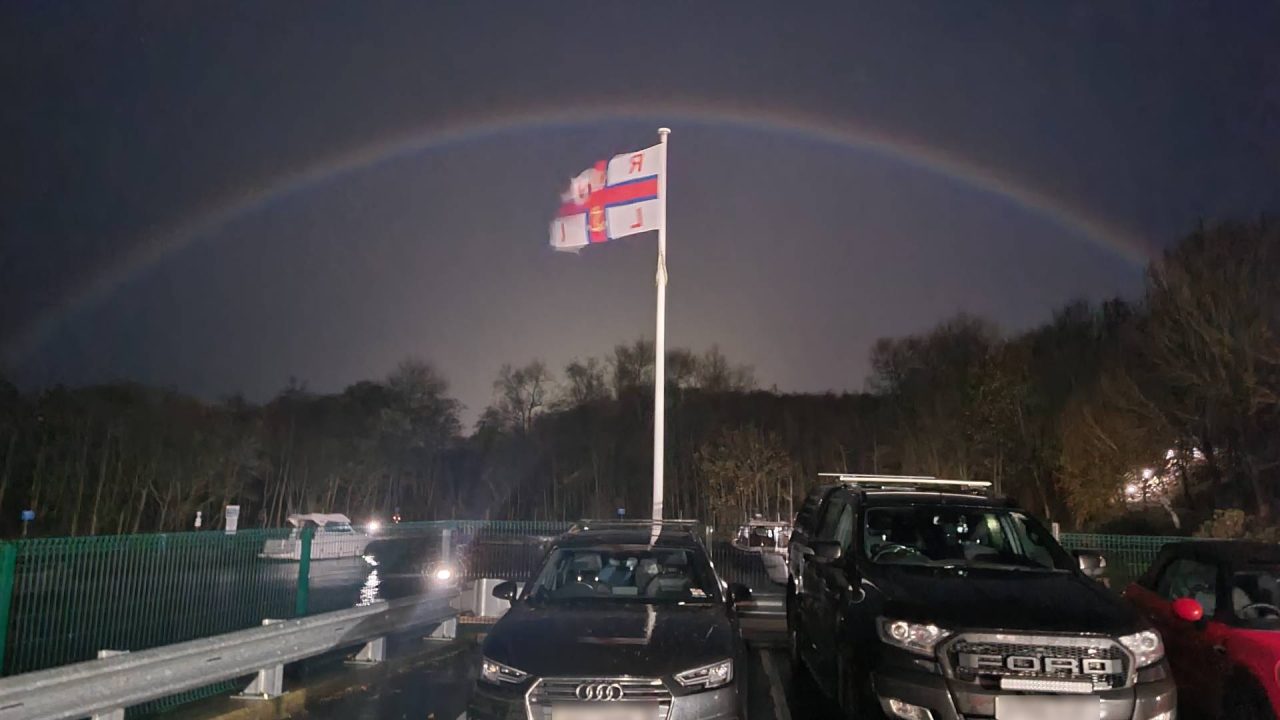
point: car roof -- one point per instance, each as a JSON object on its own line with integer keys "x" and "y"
{"x": 1225, "y": 551}
{"x": 667, "y": 538}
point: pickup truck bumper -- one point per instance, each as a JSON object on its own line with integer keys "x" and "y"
{"x": 946, "y": 699}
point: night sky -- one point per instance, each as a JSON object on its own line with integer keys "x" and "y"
{"x": 219, "y": 196}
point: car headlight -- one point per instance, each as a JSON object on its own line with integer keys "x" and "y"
{"x": 1146, "y": 646}
{"x": 497, "y": 673}
{"x": 440, "y": 572}
{"x": 707, "y": 677}
{"x": 918, "y": 638}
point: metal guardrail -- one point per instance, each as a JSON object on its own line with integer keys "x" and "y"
{"x": 103, "y": 688}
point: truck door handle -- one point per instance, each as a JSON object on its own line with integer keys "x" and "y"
{"x": 1220, "y": 649}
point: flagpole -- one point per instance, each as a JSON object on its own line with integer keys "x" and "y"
{"x": 660, "y": 337}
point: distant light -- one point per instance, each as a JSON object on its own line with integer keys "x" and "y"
{"x": 373, "y": 526}
{"x": 444, "y": 574}
{"x": 1148, "y": 473}
{"x": 1131, "y": 490}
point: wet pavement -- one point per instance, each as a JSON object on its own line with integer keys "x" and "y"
{"x": 440, "y": 690}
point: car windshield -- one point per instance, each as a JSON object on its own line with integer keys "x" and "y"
{"x": 631, "y": 573}
{"x": 1255, "y": 596}
{"x": 941, "y": 535}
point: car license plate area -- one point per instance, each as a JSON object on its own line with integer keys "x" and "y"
{"x": 604, "y": 711}
{"x": 1047, "y": 707}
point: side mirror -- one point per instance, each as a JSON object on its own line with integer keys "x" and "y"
{"x": 826, "y": 550}
{"x": 505, "y": 591}
{"x": 737, "y": 592}
{"x": 1188, "y": 609}
{"x": 1091, "y": 562}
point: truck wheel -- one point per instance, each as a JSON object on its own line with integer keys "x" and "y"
{"x": 795, "y": 646}
{"x": 854, "y": 694}
{"x": 1244, "y": 700}
{"x": 794, "y": 637}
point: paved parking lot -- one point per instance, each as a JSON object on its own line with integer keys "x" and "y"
{"x": 440, "y": 693}
{"x": 439, "y": 690}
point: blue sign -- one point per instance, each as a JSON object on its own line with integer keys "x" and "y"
{"x": 28, "y": 515}
{"x": 622, "y": 512}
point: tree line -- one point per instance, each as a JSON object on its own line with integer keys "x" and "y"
{"x": 1143, "y": 415}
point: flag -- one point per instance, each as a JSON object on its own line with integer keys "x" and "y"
{"x": 611, "y": 200}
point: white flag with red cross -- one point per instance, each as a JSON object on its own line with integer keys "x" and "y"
{"x": 611, "y": 200}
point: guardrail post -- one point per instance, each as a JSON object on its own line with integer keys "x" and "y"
{"x": 303, "y": 598}
{"x": 8, "y": 569}
{"x": 114, "y": 713}
{"x": 374, "y": 651}
{"x": 268, "y": 683}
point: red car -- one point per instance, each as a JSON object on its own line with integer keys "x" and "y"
{"x": 1217, "y": 604}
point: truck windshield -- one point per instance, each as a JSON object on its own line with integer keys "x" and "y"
{"x": 943, "y": 535}
{"x": 638, "y": 574}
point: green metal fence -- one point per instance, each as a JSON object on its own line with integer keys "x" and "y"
{"x": 64, "y": 599}
{"x": 1128, "y": 556}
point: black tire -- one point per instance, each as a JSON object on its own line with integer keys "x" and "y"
{"x": 854, "y": 695}
{"x": 795, "y": 637}
{"x": 1244, "y": 700}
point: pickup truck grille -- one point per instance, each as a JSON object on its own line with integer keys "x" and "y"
{"x": 1066, "y": 661}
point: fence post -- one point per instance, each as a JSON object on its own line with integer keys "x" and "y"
{"x": 303, "y": 597}
{"x": 8, "y": 568}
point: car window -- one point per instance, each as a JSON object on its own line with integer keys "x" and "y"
{"x": 637, "y": 573}
{"x": 807, "y": 518}
{"x": 1190, "y": 578}
{"x": 1255, "y": 596}
{"x": 831, "y": 517}
{"x": 843, "y": 532}
{"x": 928, "y": 534}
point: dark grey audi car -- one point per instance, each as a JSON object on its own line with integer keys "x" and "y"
{"x": 625, "y": 621}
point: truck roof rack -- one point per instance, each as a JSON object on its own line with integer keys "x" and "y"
{"x": 908, "y": 482}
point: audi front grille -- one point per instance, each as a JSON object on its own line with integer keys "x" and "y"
{"x": 597, "y": 691}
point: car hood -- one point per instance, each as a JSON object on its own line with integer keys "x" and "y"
{"x": 1005, "y": 599}
{"x": 609, "y": 639}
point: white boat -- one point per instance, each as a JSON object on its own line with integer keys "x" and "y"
{"x": 334, "y": 538}
{"x": 768, "y": 538}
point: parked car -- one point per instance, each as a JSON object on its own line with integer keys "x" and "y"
{"x": 923, "y": 599}
{"x": 767, "y": 539}
{"x": 803, "y": 530}
{"x": 624, "y": 621}
{"x": 1217, "y": 604}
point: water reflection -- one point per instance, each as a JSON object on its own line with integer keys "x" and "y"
{"x": 369, "y": 592}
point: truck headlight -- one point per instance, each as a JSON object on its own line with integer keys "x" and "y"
{"x": 715, "y": 675}
{"x": 918, "y": 638}
{"x": 497, "y": 673}
{"x": 1146, "y": 646}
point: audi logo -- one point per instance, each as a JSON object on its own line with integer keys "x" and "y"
{"x": 599, "y": 692}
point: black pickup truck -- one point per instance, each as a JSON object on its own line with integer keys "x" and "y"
{"x": 924, "y": 599}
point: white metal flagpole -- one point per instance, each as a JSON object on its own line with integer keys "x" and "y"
{"x": 660, "y": 337}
